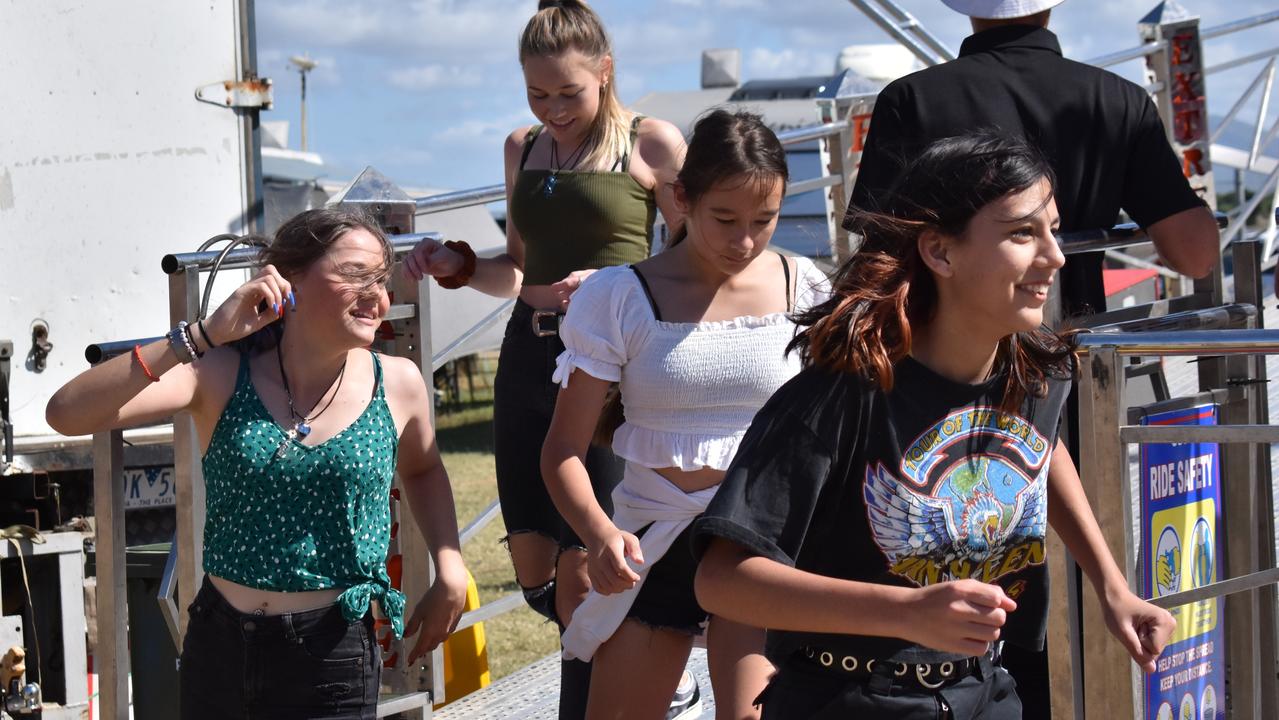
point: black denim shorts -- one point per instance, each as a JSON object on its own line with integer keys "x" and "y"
{"x": 523, "y": 403}
{"x": 667, "y": 600}
{"x": 799, "y": 692}
{"x": 311, "y": 664}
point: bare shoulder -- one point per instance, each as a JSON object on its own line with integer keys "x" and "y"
{"x": 659, "y": 141}
{"x": 515, "y": 141}
{"x": 402, "y": 377}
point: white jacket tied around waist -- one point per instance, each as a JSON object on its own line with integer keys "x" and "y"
{"x": 641, "y": 498}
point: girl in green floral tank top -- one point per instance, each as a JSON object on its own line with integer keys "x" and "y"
{"x": 303, "y": 430}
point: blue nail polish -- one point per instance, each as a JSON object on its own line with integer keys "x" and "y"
{"x": 292, "y": 299}
{"x": 276, "y": 308}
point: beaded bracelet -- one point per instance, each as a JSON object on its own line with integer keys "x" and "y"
{"x": 180, "y": 344}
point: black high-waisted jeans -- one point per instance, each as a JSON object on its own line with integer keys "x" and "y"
{"x": 311, "y": 664}
{"x": 523, "y": 403}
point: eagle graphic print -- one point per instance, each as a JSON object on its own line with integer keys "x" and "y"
{"x": 967, "y": 501}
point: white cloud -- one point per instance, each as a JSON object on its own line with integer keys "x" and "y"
{"x": 431, "y": 77}
{"x": 482, "y": 131}
{"x": 456, "y": 29}
{"x": 765, "y": 63}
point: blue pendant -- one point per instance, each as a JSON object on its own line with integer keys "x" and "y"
{"x": 303, "y": 429}
{"x": 549, "y": 187}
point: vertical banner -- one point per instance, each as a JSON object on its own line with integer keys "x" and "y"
{"x": 1178, "y": 71}
{"x": 1180, "y": 513}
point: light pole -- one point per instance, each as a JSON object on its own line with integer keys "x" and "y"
{"x": 304, "y": 64}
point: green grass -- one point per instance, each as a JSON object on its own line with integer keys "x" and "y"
{"x": 466, "y": 444}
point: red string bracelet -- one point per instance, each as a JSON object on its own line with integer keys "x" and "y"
{"x": 137, "y": 355}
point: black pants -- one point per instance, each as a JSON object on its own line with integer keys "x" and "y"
{"x": 310, "y": 664}
{"x": 523, "y": 403}
{"x": 798, "y": 692}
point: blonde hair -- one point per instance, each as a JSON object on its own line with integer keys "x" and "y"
{"x": 563, "y": 25}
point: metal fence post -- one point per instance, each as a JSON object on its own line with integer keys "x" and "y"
{"x": 1111, "y": 683}
{"x": 410, "y": 337}
{"x": 188, "y": 472}
{"x": 111, "y": 659}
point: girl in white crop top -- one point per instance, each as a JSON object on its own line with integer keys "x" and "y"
{"x": 696, "y": 340}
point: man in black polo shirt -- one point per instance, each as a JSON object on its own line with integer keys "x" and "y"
{"x": 1100, "y": 132}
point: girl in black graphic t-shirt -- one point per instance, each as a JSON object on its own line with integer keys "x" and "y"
{"x": 885, "y": 514}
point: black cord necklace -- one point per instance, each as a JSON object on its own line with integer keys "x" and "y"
{"x": 556, "y": 167}
{"x": 302, "y": 424}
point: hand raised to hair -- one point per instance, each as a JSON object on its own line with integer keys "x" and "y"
{"x": 254, "y": 305}
{"x": 430, "y": 258}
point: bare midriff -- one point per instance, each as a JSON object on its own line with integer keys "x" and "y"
{"x": 541, "y": 297}
{"x": 268, "y": 602}
{"x": 691, "y": 481}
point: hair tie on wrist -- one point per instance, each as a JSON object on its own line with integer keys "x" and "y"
{"x": 461, "y": 277}
{"x": 199, "y": 325}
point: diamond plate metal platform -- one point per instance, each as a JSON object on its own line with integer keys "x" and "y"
{"x": 532, "y": 693}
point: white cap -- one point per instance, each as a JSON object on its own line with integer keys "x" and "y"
{"x": 1000, "y": 9}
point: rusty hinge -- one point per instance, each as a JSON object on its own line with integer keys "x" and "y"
{"x": 254, "y": 93}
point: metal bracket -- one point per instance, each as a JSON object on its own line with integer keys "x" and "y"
{"x": 253, "y": 93}
{"x": 6, "y": 428}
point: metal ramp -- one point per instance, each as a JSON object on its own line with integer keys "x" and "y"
{"x": 532, "y": 693}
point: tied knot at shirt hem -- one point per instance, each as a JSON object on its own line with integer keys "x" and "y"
{"x": 355, "y": 601}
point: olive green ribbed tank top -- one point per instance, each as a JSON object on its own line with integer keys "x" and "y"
{"x": 579, "y": 220}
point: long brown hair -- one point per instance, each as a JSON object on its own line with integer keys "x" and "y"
{"x": 563, "y": 25}
{"x": 304, "y": 239}
{"x": 885, "y": 289}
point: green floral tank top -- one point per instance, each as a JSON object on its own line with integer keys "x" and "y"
{"x": 288, "y": 517}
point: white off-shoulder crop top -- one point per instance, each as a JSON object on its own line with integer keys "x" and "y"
{"x": 689, "y": 390}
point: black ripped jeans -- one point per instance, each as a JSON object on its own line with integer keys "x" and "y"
{"x": 310, "y": 664}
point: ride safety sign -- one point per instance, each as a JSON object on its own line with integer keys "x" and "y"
{"x": 1180, "y": 513}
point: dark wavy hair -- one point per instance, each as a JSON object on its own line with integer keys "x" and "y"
{"x": 885, "y": 290}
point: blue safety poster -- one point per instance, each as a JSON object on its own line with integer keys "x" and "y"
{"x": 1180, "y": 512}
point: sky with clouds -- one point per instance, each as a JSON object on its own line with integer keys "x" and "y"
{"x": 426, "y": 90}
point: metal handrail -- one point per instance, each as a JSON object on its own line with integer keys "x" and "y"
{"x": 1205, "y": 34}
{"x": 246, "y": 257}
{"x": 443, "y": 202}
{"x": 1237, "y": 25}
{"x": 1213, "y": 318}
{"x": 460, "y": 199}
{"x": 488, "y": 321}
{"x": 1120, "y": 236}
{"x": 1184, "y": 342}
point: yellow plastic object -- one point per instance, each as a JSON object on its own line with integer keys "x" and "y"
{"x": 466, "y": 657}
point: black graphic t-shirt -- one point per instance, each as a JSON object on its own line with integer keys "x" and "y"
{"x": 928, "y": 483}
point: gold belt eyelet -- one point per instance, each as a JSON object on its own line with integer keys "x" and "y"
{"x": 827, "y": 659}
{"x": 846, "y": 665}
{"x": 902, "y": 668}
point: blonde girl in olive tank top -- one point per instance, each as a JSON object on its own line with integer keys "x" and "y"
{"x": 582, "y": 188}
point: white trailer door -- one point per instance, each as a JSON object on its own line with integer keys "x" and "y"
{"x": 108, "y": 161}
